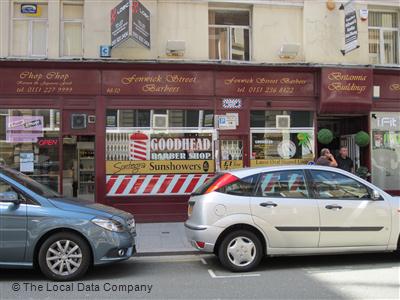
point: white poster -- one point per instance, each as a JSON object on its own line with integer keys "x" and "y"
{"x": 26, "y": 162}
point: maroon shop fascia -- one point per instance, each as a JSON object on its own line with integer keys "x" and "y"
{"x": 141, "y": 186}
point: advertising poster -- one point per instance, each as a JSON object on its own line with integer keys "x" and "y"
{"x": 24, "y": 129}
{"x": 26, "y": 162}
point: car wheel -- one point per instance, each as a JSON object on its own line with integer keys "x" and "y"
{"x": 240, "y": 251}
{"x": 64, "y": 256}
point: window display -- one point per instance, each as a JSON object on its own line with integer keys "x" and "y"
{"x": 281, "y": 137}
{"x": 145, "y": 161}
{"x": 29, "y": 143}
{"x": 385, "y": 152}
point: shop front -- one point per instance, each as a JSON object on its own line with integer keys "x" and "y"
{"x": 143, "y": 137}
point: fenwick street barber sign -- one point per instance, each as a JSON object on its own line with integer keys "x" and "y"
{"x": 350, "y": 28}
{"x": 130, "y": 19}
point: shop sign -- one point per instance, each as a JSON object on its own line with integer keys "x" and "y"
{"x": 231, "y": 164}
{"x": 120, "y": 23}
{"x": 47, "y": 142}
{"x": 24, "y": 129}
{"x": 277, "y": 162}
{"x": 157, "y": 83}
{"x": 161, "y": 154}
{"x": 49, "y": 82}
{"x": 140, "y": 24}
{"x": 389, "y": 86}
{"x": 160, "y": 167}
{"x": 350, "y": 28}
{"x": 282, "y": 84}
{"x": 346, "y": 90}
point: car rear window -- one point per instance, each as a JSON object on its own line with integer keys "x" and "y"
{"x": 204, "y": 187}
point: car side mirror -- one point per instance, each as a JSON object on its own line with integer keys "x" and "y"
{"x": 11, "y": 197}
{"x": 375, "y": 195}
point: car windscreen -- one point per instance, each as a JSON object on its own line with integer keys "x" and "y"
{"x": 29, "y": 183}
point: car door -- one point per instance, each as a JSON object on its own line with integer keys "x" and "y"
{"x": 349, "y": 216}
{"x": 13, "y": 226}
{"x": 283, "y": 209}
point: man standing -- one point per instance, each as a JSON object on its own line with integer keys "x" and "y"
{"x": 344, "y": 161}
{"x": 326, "y": 159}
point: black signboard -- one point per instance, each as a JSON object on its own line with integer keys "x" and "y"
{"x": 120, "y": 23}
{"x": 140, "y": 24}
{"x": 350, "y": 28}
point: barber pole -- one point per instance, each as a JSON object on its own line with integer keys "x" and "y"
{"x": 139, "y": 146}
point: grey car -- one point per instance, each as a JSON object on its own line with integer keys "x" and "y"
{"x": 243, "y": 215}
{"x": 63, "y": 237}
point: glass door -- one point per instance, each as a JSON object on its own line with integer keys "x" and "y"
{"x": 231, "y": 153}
{"x": 79, "y": 167}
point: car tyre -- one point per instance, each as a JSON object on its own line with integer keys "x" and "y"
{"x": 240, "y": 251}
{"x": 64, "y": 256}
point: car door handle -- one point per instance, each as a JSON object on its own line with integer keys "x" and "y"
{"x": 268, "y": 204}
{"x": 333, "y": 206}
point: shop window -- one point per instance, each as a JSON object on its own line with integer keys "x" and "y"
{"x": 260, "y": 118}
{"x": 72, "y": 29}
{"x": 29, "y": 143}
{"x": 29, "y": 31}
{"x": 176, "y": 118}
{"x": 385, "y": 147}
{"x": 229, "y": 34}
{"x": 383, "y": 31}
{"x": 289, "y": 142}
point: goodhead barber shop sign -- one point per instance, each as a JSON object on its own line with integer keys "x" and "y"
{"x": 130, "y": 19}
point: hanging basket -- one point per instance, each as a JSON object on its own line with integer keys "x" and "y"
{"x": 362, "y": 138}
{"x": 325, "y": 136}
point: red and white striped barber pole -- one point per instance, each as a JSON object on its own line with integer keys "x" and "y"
{"x": 173, "y": 184}
{"x": 139, "y": 146}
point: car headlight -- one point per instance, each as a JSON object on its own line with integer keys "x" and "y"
{"x": 109, "y": 224}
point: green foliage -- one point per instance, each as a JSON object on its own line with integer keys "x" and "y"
{"x": 325, "y": 136}
{"x": 362, "y": 138}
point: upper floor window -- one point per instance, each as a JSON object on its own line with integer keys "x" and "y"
{"x": 72, "y": 29}
{"x": 229, "y": 34}
{"x": 383, "y": 31}
{"x": 29, "y": 30}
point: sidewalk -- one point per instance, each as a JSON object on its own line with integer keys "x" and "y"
{"x": 162, "y": 239}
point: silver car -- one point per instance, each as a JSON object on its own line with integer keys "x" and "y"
{"x": 244, "y": 215}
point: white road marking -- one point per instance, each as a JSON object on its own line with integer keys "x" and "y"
{"x": 213, "y": 275}
{"x": 203, "y": 261}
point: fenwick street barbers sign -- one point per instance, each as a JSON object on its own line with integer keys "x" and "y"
{"x": 130, "y": 19}
{"x": 350, "y": 28}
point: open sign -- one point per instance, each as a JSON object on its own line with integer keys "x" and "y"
{"x": 47, "y": 142}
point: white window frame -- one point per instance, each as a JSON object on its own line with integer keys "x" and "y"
{"x": 381, "y": 30}
{"x": 229, "y": 29}
{"x": 62, "y": 23}
{"x": 31, "y": 20}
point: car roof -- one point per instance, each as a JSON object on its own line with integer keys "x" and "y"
{"x": 255, "y": 170}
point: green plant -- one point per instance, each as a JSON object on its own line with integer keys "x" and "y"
{"x": 325, "y": 136}
{"x": 362, "y": 138}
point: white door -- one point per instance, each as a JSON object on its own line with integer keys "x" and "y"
{"x": 283, "y": 209}
{"x": 348, "y": 215}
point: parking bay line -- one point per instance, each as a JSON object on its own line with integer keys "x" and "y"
{"x": 214, "y": 276}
